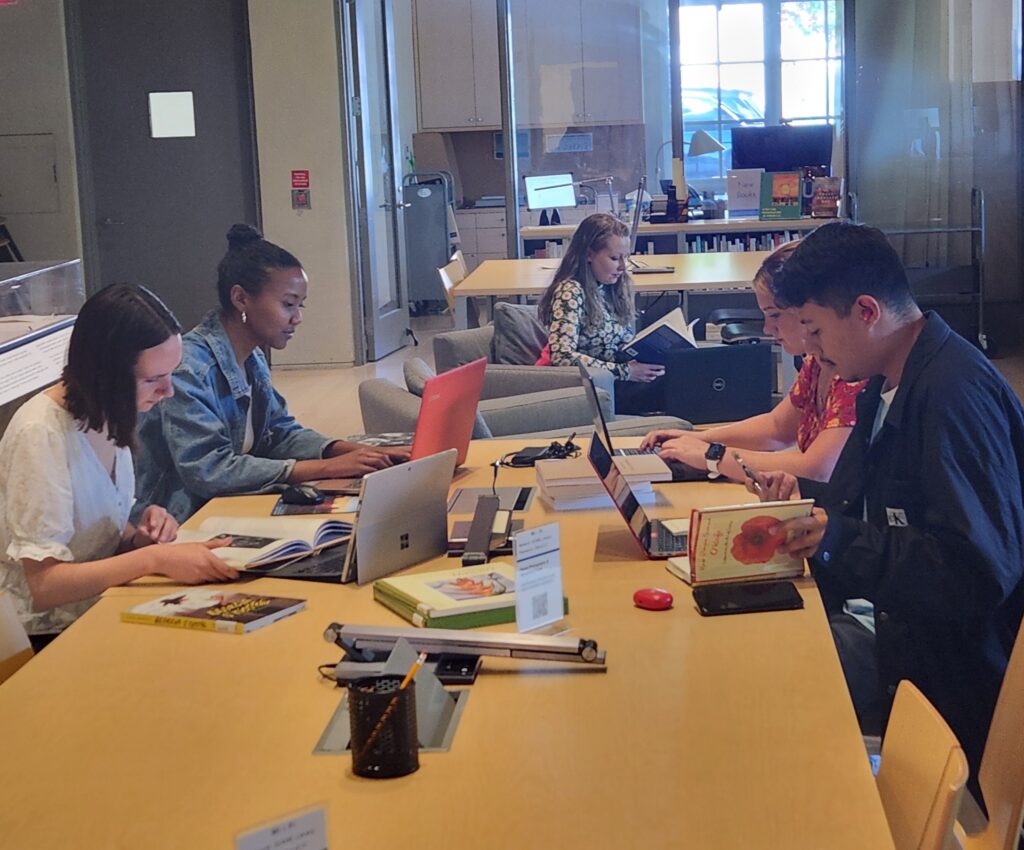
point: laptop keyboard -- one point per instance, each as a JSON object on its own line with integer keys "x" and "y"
{"x": 666, "y": 541}
{"x": 630, "y": 452}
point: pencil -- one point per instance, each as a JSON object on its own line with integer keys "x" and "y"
{"x": 394, "y": 702}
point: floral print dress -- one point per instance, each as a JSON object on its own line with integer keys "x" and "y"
{"x": 838, "y": 411}
{"x": 572, "y": 343}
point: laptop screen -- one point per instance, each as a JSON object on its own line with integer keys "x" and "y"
{"x": 620, "y": 491}
{"x": 600, "y": 426}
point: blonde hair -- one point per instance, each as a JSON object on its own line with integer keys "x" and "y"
{"x": 771, "y": 267}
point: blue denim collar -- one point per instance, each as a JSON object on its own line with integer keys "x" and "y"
{"x": 211, "y": 329}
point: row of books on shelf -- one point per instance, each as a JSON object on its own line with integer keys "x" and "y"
{"x": 742, "y": 242}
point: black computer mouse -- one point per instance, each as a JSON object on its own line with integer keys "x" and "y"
{"x": 301, "y": 494}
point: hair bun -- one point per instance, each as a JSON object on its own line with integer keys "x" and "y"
{"x": 241, "y": 235}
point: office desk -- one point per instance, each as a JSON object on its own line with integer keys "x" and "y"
{"x": 719, "y": 733}
{"x": 718, "y": 272}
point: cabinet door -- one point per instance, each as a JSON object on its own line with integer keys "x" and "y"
{"x": 485, "y": 63}
{"x": 612, "y": 63}
{"x": 551, "y": 61}
{"x": 444, "y": 60}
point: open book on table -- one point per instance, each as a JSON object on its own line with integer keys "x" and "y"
{"x": 739, "y": 543}
{"x": 256, "y": 541}
{"x": 655, "y": 342}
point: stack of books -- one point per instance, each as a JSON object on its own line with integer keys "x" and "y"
{"x": 572, "y": 485}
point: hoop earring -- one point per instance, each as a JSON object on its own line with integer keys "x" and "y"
{"x": 245, "y": 318}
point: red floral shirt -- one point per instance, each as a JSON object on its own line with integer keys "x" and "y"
{"x": 838, "y": 411}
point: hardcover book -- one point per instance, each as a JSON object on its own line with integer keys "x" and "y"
{"x": 739, "y": 542}
{"x": 453, "y": 599}
{"x": 825, "y": 195}
{"x": 256, "y": 541}
{"x": 780, "y": 195}
{"x": 655, "y": 342}
{"x": 209, "y": 609}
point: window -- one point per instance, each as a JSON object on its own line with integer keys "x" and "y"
{"x": 757, "y": 63}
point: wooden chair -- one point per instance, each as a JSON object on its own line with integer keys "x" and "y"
{"x": 452, "y": 273}
{"x": 922, "y": 775}
{"x": 15, "y": 650}
{"x": 459, "y": 258}
{"x": 1001, "y": 775}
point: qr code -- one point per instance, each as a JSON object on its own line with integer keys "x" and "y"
{"x": 539, "y": 604}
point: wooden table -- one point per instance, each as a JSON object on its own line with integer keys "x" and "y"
{"x": 702, "y": 733}
{"x": 711, "y": 272}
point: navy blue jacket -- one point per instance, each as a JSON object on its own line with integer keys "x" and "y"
{"x": 941, "y": 554}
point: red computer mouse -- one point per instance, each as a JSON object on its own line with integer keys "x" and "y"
{"x": 652, "y": 599}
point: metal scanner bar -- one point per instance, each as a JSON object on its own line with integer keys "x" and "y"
{"x": 457, "y": 641}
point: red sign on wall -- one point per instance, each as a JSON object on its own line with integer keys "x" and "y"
{"x": 300, "y": 179}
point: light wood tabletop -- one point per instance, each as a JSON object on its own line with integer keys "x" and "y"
{"x": 711, "y": 271}
{"x": 725, "y": 732}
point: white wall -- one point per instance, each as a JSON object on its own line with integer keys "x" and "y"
{"x": 995, "y": 30}
{"x": 296, "y": 88}
{"x": 35, "y": 121}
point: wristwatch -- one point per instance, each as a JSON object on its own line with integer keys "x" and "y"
{"x": 715, "y": 452}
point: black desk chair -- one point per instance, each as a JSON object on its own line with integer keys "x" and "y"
{"x": 739, "y": 325}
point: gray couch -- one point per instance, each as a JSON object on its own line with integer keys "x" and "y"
{"x": 517, "y": 399}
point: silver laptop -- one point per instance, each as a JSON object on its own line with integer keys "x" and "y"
{"x": 644, "y": 462}
{"x": 402, "y": 518}
{"x": 654, "y": 538}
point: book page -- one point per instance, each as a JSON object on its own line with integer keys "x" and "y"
{"x": 674, "y": 320}
{"x": 304, "y": 528}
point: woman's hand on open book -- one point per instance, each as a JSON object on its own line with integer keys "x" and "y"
{"x": 644, "y": 373}
{"x": 192, "y": 563}
{"x": 154, "y": 526}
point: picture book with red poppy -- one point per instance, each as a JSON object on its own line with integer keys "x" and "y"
{"x": 739, "y": 543}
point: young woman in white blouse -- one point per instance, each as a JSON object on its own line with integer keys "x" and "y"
{"x": 66, "y": 477}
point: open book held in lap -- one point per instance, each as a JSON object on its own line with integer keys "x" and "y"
{"x": 655, "y": 342}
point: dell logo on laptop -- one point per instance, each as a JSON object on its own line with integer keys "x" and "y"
{"x": 718, "y": 384}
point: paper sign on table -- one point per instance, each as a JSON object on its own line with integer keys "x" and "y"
{"x": 538, "y": 557}
{"x": 305, "y": 830}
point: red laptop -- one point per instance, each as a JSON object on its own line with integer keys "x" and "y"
{"x": 448, "y": 410}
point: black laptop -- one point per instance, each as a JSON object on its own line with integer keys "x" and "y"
{"x": 719, "y": 383}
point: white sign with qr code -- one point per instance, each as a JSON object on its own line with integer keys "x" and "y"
{"x": 538, "y": 558}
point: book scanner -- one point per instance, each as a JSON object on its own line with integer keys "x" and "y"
{"x": 367, "y": 647}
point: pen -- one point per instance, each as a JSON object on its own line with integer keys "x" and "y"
{"x": 394, "y": 701}
{"x": 748, "y": 472}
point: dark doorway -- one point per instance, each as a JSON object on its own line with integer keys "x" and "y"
{"x": 155, "y": 210}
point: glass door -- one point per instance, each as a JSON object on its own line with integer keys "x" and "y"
{"x": 368, "y": 48}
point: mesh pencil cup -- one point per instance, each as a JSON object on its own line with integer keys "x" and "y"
{"x": 382, "y": 721}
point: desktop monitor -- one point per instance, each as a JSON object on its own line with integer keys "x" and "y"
{"x": 787, "y": 147}
{"x": 550, "y": 190}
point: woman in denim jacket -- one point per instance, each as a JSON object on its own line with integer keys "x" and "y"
{"x": 226, "y": 430}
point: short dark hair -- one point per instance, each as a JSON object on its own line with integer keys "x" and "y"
{"x": 113, "y": 328}
{"x": 248, "y": 262}
{"x": 835, "y": 263}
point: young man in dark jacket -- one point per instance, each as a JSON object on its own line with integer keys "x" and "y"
{"x": 924, "y": 514}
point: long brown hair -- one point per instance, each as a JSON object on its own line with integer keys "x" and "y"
{"x": 593, "y": 234}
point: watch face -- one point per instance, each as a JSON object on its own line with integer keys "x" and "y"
{"x": 716, "y": 451}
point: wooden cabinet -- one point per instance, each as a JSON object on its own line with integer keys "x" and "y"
{"x": 576, "y": 62}
{"x": 457, "y": 64}
{"x": 482, "y": 235}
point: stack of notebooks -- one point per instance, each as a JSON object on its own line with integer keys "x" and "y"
{"x": 572, "y": 485}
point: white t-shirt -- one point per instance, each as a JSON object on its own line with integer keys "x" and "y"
{"x": 56, "y": 501}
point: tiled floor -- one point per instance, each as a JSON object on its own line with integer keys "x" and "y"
{"x": 328, "y": 400}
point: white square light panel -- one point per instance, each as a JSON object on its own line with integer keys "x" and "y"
{"x": 171, "y": 114}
